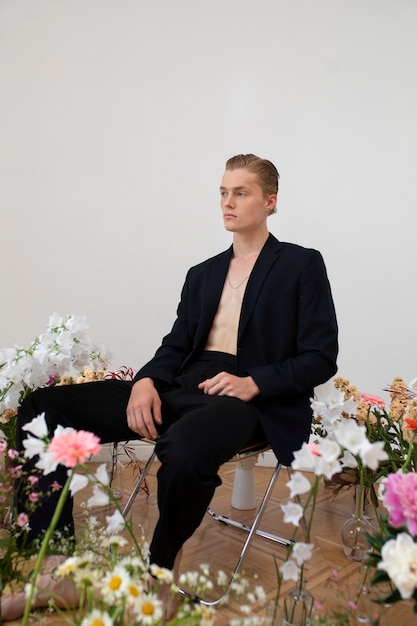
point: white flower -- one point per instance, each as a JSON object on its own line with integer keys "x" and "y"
{"x": 399, "y": 560}
{"x": 381, "y": 488}
{"x": 115, "y": 583}
{"x": 207, "y": 615}
{"x": 260, "y": 594}
{"x": 348, "y": 460}
{"x": 33, "y": 446}
{"x": 149, "y": 609}
{"x": 115, "y": 523}
{"x": 372, "y": 453}
{"x": 134, "y": 593}
{"x": 302, "y": 552}
{"x": 97, "y": 618}
{"x": 102, "y": 475}
{"x": 328, "y": 448}
{"x": 37, "y": 426}
{"x": 289, "y": 570}
{"x": 67, "y": 567}
{"x": 327, "y": 468}
{"x": 161, "y": 573}
{"x": 330, "y": 408}
{"x": 78, "y": 482}
{"x": 64, "y": 346}
{"x": 298, "y": 484}
{"x": 304, "y": 459}
{"x": 47, "y": 462}
{"x": 99, "y": 497}
{"x": 292, "y": 513}
{"x": 350, "y": 435}
{"x": 114, "y": 540}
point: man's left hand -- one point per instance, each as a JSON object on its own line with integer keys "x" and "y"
{"x": 225, "y": 384}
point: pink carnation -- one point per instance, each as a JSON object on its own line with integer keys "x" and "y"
{"x": 71, "y": 447}
{"x": 401, "y": 500}
{"x": 373, "y": 401}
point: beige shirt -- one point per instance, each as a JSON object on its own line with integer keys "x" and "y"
{"x": 223, "y": 334}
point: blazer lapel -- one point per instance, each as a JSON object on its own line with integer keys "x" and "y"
{"x": 267, "y": 257}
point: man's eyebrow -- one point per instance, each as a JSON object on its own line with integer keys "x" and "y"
{"x": 234, "y": 188}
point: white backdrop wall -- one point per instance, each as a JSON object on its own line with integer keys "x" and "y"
{"x": 116, "y": 119}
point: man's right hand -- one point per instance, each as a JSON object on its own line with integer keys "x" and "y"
{"x": 144, "y": 409}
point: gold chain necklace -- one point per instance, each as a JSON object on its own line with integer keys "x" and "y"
{"x": 240, "y": 284}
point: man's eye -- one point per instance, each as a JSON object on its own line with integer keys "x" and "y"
{"x": 241, "y": 194}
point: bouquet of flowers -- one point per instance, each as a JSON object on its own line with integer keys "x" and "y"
{"x": 114, "y": 584}
{"x": 57, "y": 356}
{"x": 394, "y": 546}
{"x": 392, "y": 427}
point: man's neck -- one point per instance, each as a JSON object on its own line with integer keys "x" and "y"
{"x": 244, "y": 247}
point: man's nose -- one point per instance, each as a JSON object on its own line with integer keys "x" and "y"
{"x": 228, "y": 200}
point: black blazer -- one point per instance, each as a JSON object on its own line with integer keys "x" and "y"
{"x": 287, "y": 337}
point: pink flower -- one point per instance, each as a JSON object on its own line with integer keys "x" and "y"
{"x": 3, "y": 447}
{"x": 401, "y": 500}
{"x": 33, "y": 479}
{"x": 33, "y": 497}
{"x": 314, "y": 449}
{"x": 373, "y": 401}
{"x": 70, "y": 447}
{"x": 12, "y": 454}
{"x": 22, "y": 520}
{"x": 56, "y": 486}
{"x": 16, "y": 471}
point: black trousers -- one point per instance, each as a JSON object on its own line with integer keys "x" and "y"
{"x": 198, "y": 434}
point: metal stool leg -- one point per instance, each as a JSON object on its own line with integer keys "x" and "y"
{"x": 138, "y": 484}
{"x": 252, "y": 532}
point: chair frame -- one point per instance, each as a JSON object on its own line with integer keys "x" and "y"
{"x": 252, "y": 530}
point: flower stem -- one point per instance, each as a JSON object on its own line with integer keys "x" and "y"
{"x": 409, "y": 455}
{"x": 44, "y": 547}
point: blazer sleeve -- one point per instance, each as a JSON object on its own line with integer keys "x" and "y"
{"x": 309, "y": 358}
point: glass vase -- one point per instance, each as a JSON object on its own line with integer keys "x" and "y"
{"x": 355, "y": 543}
{"x": 298, "y": 607}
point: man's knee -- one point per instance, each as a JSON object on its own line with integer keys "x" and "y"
{"x": 184, "y": 458}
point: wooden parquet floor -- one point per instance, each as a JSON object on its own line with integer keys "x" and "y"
{"x": 219, "y": 546}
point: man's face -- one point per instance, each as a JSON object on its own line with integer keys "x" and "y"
{"x": 244, "y": 206}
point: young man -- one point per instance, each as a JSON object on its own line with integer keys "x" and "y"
{"x": 255, "y": 333}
